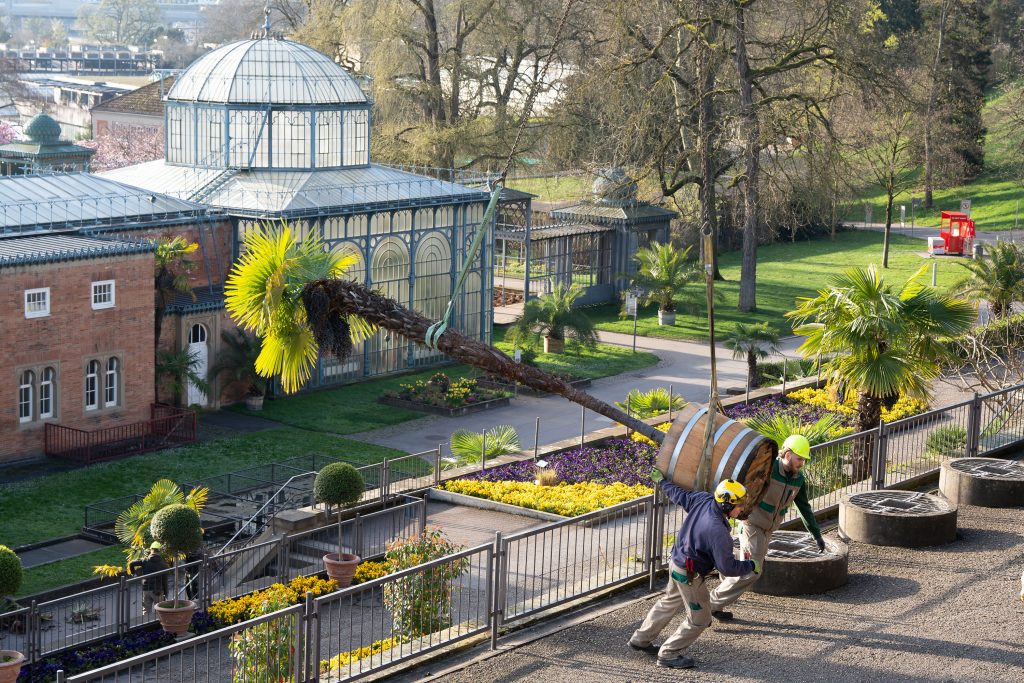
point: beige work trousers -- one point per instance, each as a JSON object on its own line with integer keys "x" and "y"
{"x": 690, "y": 594}
{"x": 753, "y": 540}
{"x": 149, "y": 599}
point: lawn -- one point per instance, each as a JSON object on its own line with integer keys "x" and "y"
{"x": 603, "y": 361}
{"x": 785, "y": 271}
{"x": 71, "y": 570}
{"x": 994, "y": 194}
{"x": 52, "y": 505}
{"x": 555, "y": 188}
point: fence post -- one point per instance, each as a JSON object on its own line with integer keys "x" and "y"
{"x": 437, "y": 465}
{"x": 304, "y": 649}
{"x": 423, "y": 515}
{"x": 483, "y": 451}
{"x": 974, "y": 427}
{"x": 60, "y": 676}
{"x": 121, "y": 604}
{"x": 671, "y": 397}
{"x": 880, "y": 455}
{"x": 649, "y": 535}
{"x": 496, "y": 604}
{"x": 357, "y": 535}
{"x": 657, "y": 512}
{"x": 385, "y": 482}
{"x": 32, "y": 632}
{"x": 204, "y": 578}
{"x": 282, "y": 557}
{"x": 536, "y": 438}
{"x": 583, "y": 424}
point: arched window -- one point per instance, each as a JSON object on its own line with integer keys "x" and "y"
{"x": 197, "y": 334}
{"x": 26, "y": 385}
{"x": 110, "y": 383}
{"x": 92, "y": 391}
{"x": 46, "y": 392}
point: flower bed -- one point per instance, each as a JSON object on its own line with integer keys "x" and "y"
{"x": 339, "y": 662}
{"x": 568, "y": 500}
{"x": 809, "y": 405}
{"x": 621, "y": 460}
{"x": 106, "y": 651}
{"x": 235, "y": 610}
{"x": 440, "y": 391}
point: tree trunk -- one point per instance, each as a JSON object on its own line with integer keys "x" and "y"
{"x": 888, "y": 228}
{"x": 930, "y": 111}
{"x": 705, "y": 130}
{"x": 869, "y": 416}
{"x": 752, "y": 371}
{"x": 350, "y": 298}
{"x": 750, "y": 134}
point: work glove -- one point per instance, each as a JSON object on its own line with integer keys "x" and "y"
{"x": 757, "y": 565}
{"x": 821, "y": 544}
{"x": 656, "y": 476}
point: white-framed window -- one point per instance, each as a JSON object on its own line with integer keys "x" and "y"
{"x": 37, "y": 302}
{"x": 110, "y": 382}
{"x": 47, "y": 387}
{"x": 102, "y": 294}
{"x": 26, "y": 387}
{"x": 92, "y": 392}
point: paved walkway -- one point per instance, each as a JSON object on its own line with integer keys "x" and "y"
{"x": 685, "y": 366}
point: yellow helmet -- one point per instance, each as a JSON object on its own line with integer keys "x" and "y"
{"x": 799, "y": 445}
{"x": 730, "y": 492}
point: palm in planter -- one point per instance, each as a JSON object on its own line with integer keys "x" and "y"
{"x": 468, "y": 446}
{"x": 175, "y": 370}
{"x": 553, "y": 317}
{"x": 341, "y": 485}
{"x": 237, "y": 359}
{"x": 662, "y": 274}
{"x": 752, "y": 343}
{"x": 885, "y": 341}
{"x": 998, "y": 278}
{"x": 10, "y": 583}
{"x": 179, "y": 531}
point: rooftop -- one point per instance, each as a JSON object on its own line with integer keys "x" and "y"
{"x": 19, "y": 251}
{"x": 147, "y": 100}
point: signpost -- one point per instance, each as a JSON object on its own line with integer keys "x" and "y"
{"x": 965, "y": 207}
{"x": 868, "y": 211}
{"x": 903, "y": 215}
{"x": 631, "y": 301}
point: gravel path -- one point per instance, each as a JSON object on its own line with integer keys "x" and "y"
{"x": 949, "y": 613}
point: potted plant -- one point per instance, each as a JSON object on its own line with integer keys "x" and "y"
{"x": 341, "y": 485}
{"x": 553, "y": 318}
{"x": 237, "y": 358}
{"x": 662, "y": 273}
{"x": 178, "y": 529}
{"x": 10, "y": 583}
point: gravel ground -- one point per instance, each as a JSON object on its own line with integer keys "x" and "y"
{"x": 948, "y": 613}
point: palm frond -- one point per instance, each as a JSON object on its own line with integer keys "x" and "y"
{"x": 467, "y": 446}
{"x": 645, "y": 404}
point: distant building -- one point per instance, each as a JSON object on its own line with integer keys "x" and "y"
{"x": 141, "y": 108}
{"x": 43, "y": 151}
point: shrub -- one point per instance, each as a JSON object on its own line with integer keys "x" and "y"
{"x": 421, "y": 603}
{"x": 467, "y": 446}
{"x": 265, "y": 653}
{"x": 235, "y": 610}
{"x": 946, "y": 441}
{"x": 644, "y": 404}
{"x": 178, "y": 529}
{"x": 368, "y": 571}
{"x": 338, "y": 484}
{"x": 568, "y": 500}
{"x": 546, "y": 477}
{"x": 10, "y": 572}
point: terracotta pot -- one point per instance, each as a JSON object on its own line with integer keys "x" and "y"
{"x": 341, "y": 568}
{"x": 666, "y": 317}
{"x": 552, "y": 345}
{"x": 175, "y": 620}
{"x": 254, "y": 403}
{"x": 10, "y": 669}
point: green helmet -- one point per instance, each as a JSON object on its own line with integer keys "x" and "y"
{"x": 799, "y": 445}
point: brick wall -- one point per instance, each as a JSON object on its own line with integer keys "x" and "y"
{"x": 68, "y": 338}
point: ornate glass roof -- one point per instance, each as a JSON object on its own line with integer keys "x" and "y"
{"x": 266, "y": 71}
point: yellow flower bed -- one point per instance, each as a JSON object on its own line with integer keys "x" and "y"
{"x": 235, "y": 610}
{"x": 822, "y": 398}
{"x": 637, "y": 436}
{"x": 368, "y": 571}
{"x": 346, "y": 658}
{"x": 568, "y": 500}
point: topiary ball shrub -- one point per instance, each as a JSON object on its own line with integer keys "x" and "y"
{"x": 178, "y": 529}
{"x": 338, "y": 484}
{"x": 10, "y": 572}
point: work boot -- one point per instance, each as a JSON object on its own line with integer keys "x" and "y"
{"x": 722, "y": 615}
{"x": 677, "y": 662}
{"x": 649, "y": 649}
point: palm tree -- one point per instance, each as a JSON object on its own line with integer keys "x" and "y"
{"x": 171, "y": 277}
{"x": 175, "y": 370}
{"x": 468, "y": 446}
{"x": 752, "y": 342}
{"x": 288, "y": 294}
{"x": 662, "y": 273}
{"x": 237, "y": 358}
{"x": 553, "y": 317}
{"x": 998, "y": 278}
{"x": 885, "y": 341}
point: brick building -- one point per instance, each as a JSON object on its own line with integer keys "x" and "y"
{"x": 76, "y": 272}
{"x": 140, "y": 108}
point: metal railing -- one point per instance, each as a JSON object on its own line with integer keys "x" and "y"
{"x": 354, "y": 632}
{"x": 166, "y": 427}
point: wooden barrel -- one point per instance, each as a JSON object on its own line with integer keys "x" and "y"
{"x": 738, "y": 452}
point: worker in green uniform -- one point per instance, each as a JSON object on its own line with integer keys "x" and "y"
{"x": 786, "y": 485}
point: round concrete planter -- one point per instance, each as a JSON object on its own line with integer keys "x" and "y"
{"x": 10, "y": 665}
{"x": 341, "y": 567}
{"x": 552, "y": 345}
{"x": 986, "y": 482}
{"x": 795, "y": 567}
{"x": 175, "y": 620}
{"x": 666, "y": 317}
{"x": 897, "y": 518}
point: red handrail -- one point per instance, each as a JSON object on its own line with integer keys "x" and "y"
{"x": 168, "y": 426}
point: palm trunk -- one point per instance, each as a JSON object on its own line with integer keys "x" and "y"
{"x": 869, "y": 416}
{"x": 752, "y": 371}
{"x": 750, "y": 132}
{"x": 350, "y": 298}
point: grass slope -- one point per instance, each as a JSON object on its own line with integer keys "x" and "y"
{"x": 603, "y": 361}
{"x": 52, "y": 506}
{"x": 785, "y": 271}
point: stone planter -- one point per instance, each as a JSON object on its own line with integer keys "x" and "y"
{"x": 10, "y": 665}
{"x": 985, "y": 482}
{"x": 897, "y": 518}
{"x": 477, "y": 407}
{"x": 552, "y": 345}
{"x": 175, "y": 620}
{"x": 254, "y": 403}
{"x": 666, "y": 317}
{"x": 341, "y": 567}
{"x": 794, "y": 566}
